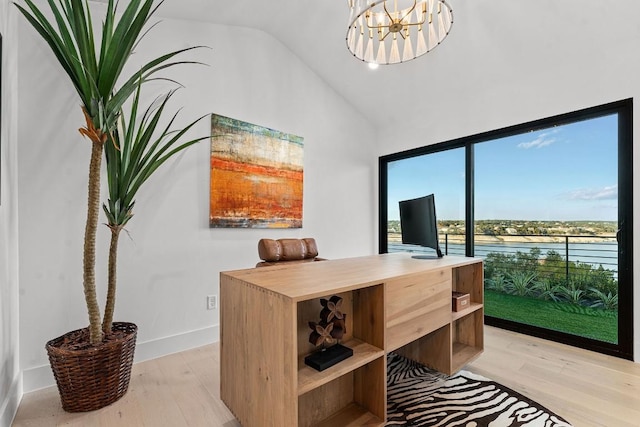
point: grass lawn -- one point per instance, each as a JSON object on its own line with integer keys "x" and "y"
{"x": 559, "y": 316}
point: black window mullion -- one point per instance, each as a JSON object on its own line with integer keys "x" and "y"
{"x": 383, "y": 214}
{"x": 469, "y": 198}
{"x": 625, "y": 226}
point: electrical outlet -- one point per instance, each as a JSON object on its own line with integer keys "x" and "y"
{"x": 212, "y": 302}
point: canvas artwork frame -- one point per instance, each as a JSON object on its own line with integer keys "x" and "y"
{"x": 257, "y": 176}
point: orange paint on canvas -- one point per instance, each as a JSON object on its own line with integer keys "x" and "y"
{"x": 256, "y": 176}
{"x": 253, "y": 169}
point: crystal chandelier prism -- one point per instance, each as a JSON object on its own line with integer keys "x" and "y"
{"x": 394, "y": 31}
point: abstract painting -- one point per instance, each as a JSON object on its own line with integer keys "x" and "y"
{"x": 256, "y": 176}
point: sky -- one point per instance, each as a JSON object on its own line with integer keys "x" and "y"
{"x": 566, "y": 173}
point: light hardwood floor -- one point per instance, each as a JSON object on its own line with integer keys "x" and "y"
{"x": 183, "y": 389}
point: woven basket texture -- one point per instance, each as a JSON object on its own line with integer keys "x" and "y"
{"x": 92, "y": 378}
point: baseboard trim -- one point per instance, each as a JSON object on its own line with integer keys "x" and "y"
{"x": 9, "y": 407}
{"x": 176, "y": 343}
{"x": 42, "y": 377}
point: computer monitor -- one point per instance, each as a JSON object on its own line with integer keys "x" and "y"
{"x": 419, "y": 225}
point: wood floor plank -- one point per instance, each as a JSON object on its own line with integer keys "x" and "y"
{"x": 560, "y": 377}
{"x": 183, "y": 389}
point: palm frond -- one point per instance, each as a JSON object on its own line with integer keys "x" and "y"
{"x": 95, "y": 74}
{"x": 139, "y": 147}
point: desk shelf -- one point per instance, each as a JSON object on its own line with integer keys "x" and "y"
{"x": 455, "y": 315}
{"x": 363, "y": 353}
{"x": 463, "y": 354}
{"x": 353, "y": 415}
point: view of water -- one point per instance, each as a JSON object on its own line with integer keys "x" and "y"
{"x": 605, "y": 254}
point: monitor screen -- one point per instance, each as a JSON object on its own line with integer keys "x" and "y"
{"x": 418, "y": 223}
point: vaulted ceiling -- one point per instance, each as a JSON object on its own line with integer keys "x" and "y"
{"x": 491, "y": 41}
{"x": 315, "y": 31}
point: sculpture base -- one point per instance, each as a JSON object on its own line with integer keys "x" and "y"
{"x": 326, "y": 358}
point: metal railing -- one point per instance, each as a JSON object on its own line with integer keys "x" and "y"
{"x": 593, "y": 250}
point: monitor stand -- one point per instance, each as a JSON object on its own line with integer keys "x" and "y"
{"x": 436, "y": 256}
{"x": 425, "y": 257}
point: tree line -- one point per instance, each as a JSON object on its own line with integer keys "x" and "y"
{"x": 499, "y": 227}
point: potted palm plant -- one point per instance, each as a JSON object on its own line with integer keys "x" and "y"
{"x": 92, "y": 365}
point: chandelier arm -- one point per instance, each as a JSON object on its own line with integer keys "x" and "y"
{"x": 409, "y": 13}
{"x": 368, "y": 14}
{"x": 384, "y": 5}
{"x": 413, "y": 24}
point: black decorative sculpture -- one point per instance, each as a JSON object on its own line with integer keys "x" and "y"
{"x": 327, "y": 334}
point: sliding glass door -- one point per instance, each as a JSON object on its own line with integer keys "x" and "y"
{"x": 551, "y": 204}
{"x": 546, "y": 216}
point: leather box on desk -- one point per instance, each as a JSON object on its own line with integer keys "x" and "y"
{"x": 460, "y": 301}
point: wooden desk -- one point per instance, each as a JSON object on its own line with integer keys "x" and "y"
{"x": 393, "y": 303}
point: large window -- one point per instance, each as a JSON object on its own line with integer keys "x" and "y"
{"x": 550, "y": 203}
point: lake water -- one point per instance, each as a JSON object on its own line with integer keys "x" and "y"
{"x": 605, "y": 254}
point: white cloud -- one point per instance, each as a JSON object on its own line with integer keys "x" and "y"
{"x": 603, "y": 193}
{"x": 543, "y": 140}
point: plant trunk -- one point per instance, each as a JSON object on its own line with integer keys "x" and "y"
{"x": 89, "y": 258}
{"x": 111, "y": 290}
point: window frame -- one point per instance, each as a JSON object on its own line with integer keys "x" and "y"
{"x": 624, "y": 110}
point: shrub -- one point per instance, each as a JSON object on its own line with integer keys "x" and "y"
{"x": 497, "y": 283}
{"x": 551, "y": 277}
{"x": 608, "y": 301}
{"x": 519, "y": 282}
{"x": 546, "y": 290}
{"x": 572, "y": 295}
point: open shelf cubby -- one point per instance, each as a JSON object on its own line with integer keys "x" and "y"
{"x": 467, "y": 336}
{"x": 349, "y": 390}
{"x": 467, "y": 339}
{"x": 347, "y": 399}
{"x": 469, "y": 279}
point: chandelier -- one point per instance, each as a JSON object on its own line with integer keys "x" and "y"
{"x": 394, "y": 31}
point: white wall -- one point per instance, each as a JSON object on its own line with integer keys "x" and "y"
{"x": 541, "y": 59}
{"x": 173, "y": 258}
{"x": 10, "y": 386}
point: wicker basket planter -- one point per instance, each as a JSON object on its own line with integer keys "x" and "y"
{"x": 91, "y": 378}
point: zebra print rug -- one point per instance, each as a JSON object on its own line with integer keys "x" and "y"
{"x": 419, "y": 396}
